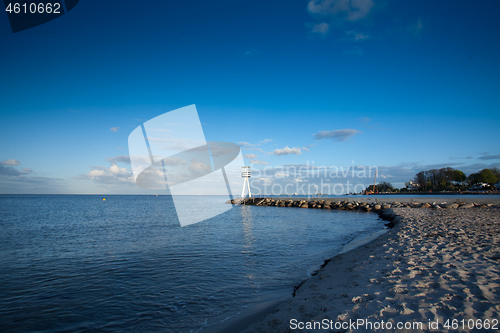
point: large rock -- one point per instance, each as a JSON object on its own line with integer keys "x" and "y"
{"x": 426, "y": 205}
{"x": 305, "y": 205}
{"x": 455, "y": 205}
{"x": 377, "y": 207}
{"x": 468, "y": 205}
{"x": 386, "y": 206}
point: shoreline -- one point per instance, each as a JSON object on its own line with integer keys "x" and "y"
{"x": 260, "y": 310}
{"x": 379, "y": 288}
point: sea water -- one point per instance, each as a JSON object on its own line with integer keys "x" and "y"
{"x": 72, "y": 263}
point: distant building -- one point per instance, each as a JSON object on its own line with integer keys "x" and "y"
{"x": 411, "y": 186}
{"x": 480, "y": 186}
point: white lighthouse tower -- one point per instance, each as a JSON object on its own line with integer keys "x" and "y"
{"x": 246, "y": 173}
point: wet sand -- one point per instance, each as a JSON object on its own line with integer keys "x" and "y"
{"x": 434, "y": 265}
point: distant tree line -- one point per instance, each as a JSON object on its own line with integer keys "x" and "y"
{"x": 444, "y": 179}
{"x": 449, "y": 179}
{"x": 488, "y": 176}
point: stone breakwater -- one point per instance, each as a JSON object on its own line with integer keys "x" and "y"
{"x": 356, "y": 205}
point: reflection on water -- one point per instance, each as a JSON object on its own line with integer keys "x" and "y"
{"x": 248, "y": 239}
{"x": 70, "y": 263}
{"x": 246, "y": 219}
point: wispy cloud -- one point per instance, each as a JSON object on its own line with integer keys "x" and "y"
{"x": 287, "y": 151}
{"x": 255, "y": 147}
{"x": 359, "y": 37}
{"x": 489, "y": 157}
{"x": 11, "y": 162}
{"x": 349, "y": 10}
{"x": 259, "y": 162}
{"x": 321, "y": 28}
{"x": 9, "y": 171}
{"x": 356, "y": 36}
{"x": 245, "y": 144}
{"x": 251, "y": 156}
{"x": 119, "y": 159}
{"x": 364, "y": 120}
{"x": 336, "y": 135}
{"x": 114, "y": 129}
{"x": 252, "y": 52}
{"x": 460, "y": 157}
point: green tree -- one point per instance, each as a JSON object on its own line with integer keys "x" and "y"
{"x": 421, "y": 179}
{"x": 473, "y": 178}
{"x": 487, "y": 176}
{"x": 496, "y": 172}
{"x": 385, "y": 187}
{"x": 459, "y": 176}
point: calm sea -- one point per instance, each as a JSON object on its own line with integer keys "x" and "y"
{"x": 76, "y": 263}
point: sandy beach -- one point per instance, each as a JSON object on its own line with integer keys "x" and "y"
{"x": 436, "y": 267}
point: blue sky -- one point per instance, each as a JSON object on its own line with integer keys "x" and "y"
{"x": 402, "y": 85}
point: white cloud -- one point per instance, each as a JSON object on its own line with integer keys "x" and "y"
{"x": 336, "y": 135}
{"x": 114, "y": 175}
{"x": 251, "y": 156}
{"x": 287, "y": 151}
{"x": 350, "y": 10}
{"x": 11, "y": 162}
{"x": 114, "y": 129}
{"x": 321, "y": 28}
{"x": 266, "y": 141}
{"x": 117, "y": 170}
{"x": 96, "y": 173}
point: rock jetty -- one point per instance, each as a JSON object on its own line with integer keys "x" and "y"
{"x": 354, "y": 205}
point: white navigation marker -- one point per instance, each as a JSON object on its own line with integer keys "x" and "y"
{"x": 246, "y": 173}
